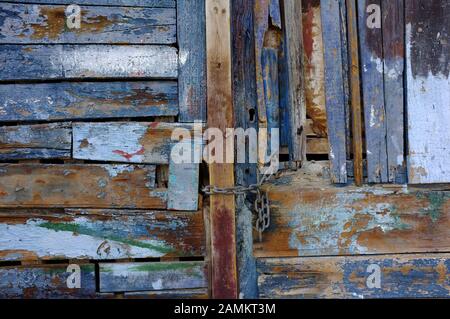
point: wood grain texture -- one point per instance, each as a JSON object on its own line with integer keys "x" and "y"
{"x": 317, "y": 146}
{"x": 132, "y": 3}
{"x": 428, "y": 94}
{"x": 73, "y": 185}
{"x": 310, "y": 218}
{"x": 192, "y": 60}
{"x": 45, "y": 282}
{"x": 402, "y": 276}
{"x": 130, "y": 142}
{"x": 35, "y": 141}
{"x": 185, "y": 294}
{"x": 220, "y": 115}
{"x": 334, "y": 88}
{"x": 293, "y": 33}
{"x": 119, "y": 277}
{"x": 45, "y": 234}
{"x": 26, "y": 24}
{"x": 87, "y": 100}
{"x": 42, "y": 62}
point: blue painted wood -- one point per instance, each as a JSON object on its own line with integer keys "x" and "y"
{"x": 192, "y": 60}
{"x": 334, "y": 89}
{"x": 87, "y": 100}
{"x": 42, "y": 62}
{"x": 132, "y": 3}
{"x": 26, "y": 23}
{"x": 371, "y": 51}
{"x": 283, "y": 80}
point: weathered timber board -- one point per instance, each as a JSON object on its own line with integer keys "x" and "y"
{"x": 119, "y": 277}
{"x": 26, "y": 24}
{"x": 317, "y": 146}
{"x": 334, "y": 88}
{"x": 73, "y": 185}
{"x": 131, "y": 3}
{"x": 313, "y": 220}
{"x": 99, "y": 234}
{"x": 133, "y": 142}
{"x": 191, "y": 35}
{"x": 35, "y": 141}
{"x": 87, "y": 100}
{"x": 45, "y": 282}
{"x": 372, "y": 75}
{"x": 185, "y": 294}
{"x": 40, "y": 62}
{"x": 428, "y": 93}
{"x": 401, "y": 276}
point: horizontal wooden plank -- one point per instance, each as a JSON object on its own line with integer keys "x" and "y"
{"x": 400, "y": 276}
{"x": 315, "y": 219}
{"x": 200, "y": 293}
{"x": 43, "y": 234}
{"x": 45, "y": 282}
{"x": 317, "y": 146}
{"x": 75, "y": 185}
{"x": 132, "y": 3}
{"x": 26, "y": 24}
{"x": 124, "y": 142}
{"x": 120, "y": 277}
{"x": 40, "y": 62}
{"x": 87, "y": 100}
{"x": 35, "y": 141}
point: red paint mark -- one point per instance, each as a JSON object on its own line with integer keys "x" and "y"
{"x": 153, "y": 124}
{"x": 308, "y": 23}
{"x": 129, "y": 156}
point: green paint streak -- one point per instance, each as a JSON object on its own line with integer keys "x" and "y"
{"x": 74, "y": 228}
{"x": 437, "y": 200}
{"x": 164, "y": 266}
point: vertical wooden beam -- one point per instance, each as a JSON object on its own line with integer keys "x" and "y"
{"x": 220, "y": 115}
{"x": 192, "y": 60}
{"x": 355, "y": 91}
{"x": 334, "y": 88}
{"x": 292, "y": 14}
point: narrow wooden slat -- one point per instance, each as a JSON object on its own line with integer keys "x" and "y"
{"x": 40, "y": 62}
{"x": 35, "y": 141}
{"x": 371, "y": 48}
{"x": 185, "y": 294}
{"x": 313, "y": 219}
{"x": 132, "y": 3}
{"x": 133, "y": 142}
{"x": 43, "y": 234}
{"x": 220, "y": 115}
{"x": 192, "y": 60}
{"x": 355, "y": 91}
{"x": 334, "y": 88}
{"x": 394, "y": 59}
{"x": 428, "y": 94}
{"x": 87, "y": 100}
{"x": 131, "y": 277}
{"x": 401, "y": 276}
{"x": 121, "y": 186}
{"x": 292, "y": 13}
{"x": 47, "y": 24}
{"x": 45, "y": 282}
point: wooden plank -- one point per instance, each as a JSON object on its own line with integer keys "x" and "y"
{"x": 245, "y": 115}
{"x": 26, "y": 24}
{"x": 131, "y": 277}
{"x": 293, "y": 33}
{"x": 317, "y": 146}
{"x": 183, "y": 189}
{"x": 371, "y": 48}
{"x": 334, "y": 88}
{"x": 185, "y": 294}
{"x": 45, "y": 282}
{"x": 87, "y": 100}
{"x": 41, "y": 62}
{"x": 73, "y": 185}
{"x": 220, "y": 115}
{"x": 35, "y": 141}
{"x": 355, "y": 91}
{"x": 44, "y": 234}
{"x": 428, "y": 56}
{"x": 313, "y": 219}
{"x": 192, "y": 60}
{"x": 394, "y": 60}
{"x": 131, "y": 3}
{"x": 131, "y": 142}
{"x": 401, "y": 276}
